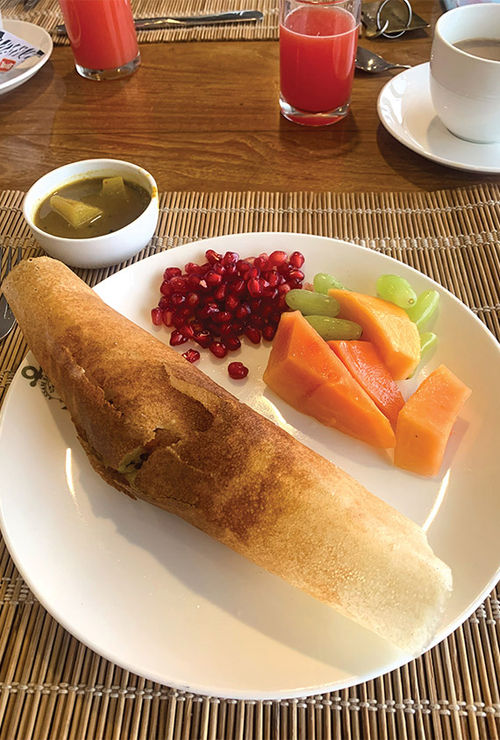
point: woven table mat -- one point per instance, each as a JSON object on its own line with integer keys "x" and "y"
{"x": 54, "y": 688}
{"x": 47, "y": 14}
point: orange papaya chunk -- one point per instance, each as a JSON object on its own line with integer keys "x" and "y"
{"x": 304, "y": 372}
{"x": 390, "y": 329}
{"x": 296, "y": 352}
{"x": 426, "y": 420}
{"x": 364, "y": 363}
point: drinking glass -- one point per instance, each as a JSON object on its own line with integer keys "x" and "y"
{"x": 102, "y": 36}
{"x": 318, "y": 40}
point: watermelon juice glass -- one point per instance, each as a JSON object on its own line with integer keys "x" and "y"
{"x": 102, "y": 37}
{"x": 318, "y": 43}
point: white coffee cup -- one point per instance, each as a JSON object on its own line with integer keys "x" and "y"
{"x": 465, "y": 89}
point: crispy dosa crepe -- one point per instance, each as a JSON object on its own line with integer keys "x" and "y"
{"x": 157, "y": 428}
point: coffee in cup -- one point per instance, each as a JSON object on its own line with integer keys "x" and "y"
{"x": 465, "y": 71}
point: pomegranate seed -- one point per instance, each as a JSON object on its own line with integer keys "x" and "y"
{"x": 192, "y": 268}
{"x": 253, "y": 334}
{"x": 177, "y": 338}
{"x": 231, "y": 341}
{"x": 220, "y": 292}
{"x": 271, "y": 293}
{"x": 283, "y": 268}
{"x": 179, "y": 285}
{"x": 156, "y": 316}
{"x": 222, "y": 317}
{"x": 283, "y": 289}
{"x": 256, "y": 322}
{"x": 273, "y": 278}
{"x": 230, "y": 258}
{"x": 191, "y": 355}
{"x": 177, "y": 299}
{"x": 253, "y": 272}
{"x": 238, "y": 286}
{"x": 268, "y": 332}
{"x": 260, "y": 263}
{"x": 203, "y": 338}
{"x": 207, "y": 310}
{"x": 187, "y": 330}
{"x": 277, "y": 258}
{"x": 165, "y": 288}
{"x": 253, "y": 287}
{"x": 219, "y": 268}
{"x": 230, "y": 270}
{"x": 177, "y": 321}
{"x": 192, "y": 299}
{"x": 167, "y": 317}
{"x": 243, "y": 311}
{"x": 231, "y": 303}
{"x": 218, "y": 349}
{"x": 296, "y": 259}
{"x": 296, "y": 275}
{"x": 243, "y": 266}
{"x": 213, "y": 278}
{"x": 237, "y": 370}
{"x": 212, "y": 257}
{"x": 164, "y": 302}
{"x": 193, "y": 280}
{"x": 266, "y": 310}
{"x": 171, "y": 272}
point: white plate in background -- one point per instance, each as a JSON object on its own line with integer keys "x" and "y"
{"x": 22, "y": 72}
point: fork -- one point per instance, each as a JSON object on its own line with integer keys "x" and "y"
{"x": 7, "y": 318}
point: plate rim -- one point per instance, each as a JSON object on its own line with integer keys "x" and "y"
{"x": 229, "y": 693}
{"x": 25, "y": 74}
{"x": 410, "y": 143}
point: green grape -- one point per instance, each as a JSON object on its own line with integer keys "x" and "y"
{"x": 428, "y": 341}
{"x": 330, "y": 328}
{"x": 308, "y": 302}
{"x": 396, "y": 290}
{"x": 424, "y": 308}
{"x": 323, "y": 282}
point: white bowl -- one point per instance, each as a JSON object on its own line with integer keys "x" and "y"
{"x": 97, "y": 251}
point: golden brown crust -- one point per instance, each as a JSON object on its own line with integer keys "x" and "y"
{"x": 223, "y": 467}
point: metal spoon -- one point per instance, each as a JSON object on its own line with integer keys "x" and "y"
{"x": 368, "y": 61}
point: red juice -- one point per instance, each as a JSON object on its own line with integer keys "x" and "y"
{"x": 317, "y": 53}
{"x": 101, "y": 32}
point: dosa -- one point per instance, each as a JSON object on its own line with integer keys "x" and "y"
{"x": 159, "y": 429}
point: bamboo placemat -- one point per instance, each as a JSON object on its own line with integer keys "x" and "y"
{"x": 54, "y": 688}
{"x": 47, "y": 14}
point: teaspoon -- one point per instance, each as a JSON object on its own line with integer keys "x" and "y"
{"x": 368, "y": 61}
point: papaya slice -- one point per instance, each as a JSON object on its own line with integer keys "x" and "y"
{"x": 426, "y": 420}
{"x": 364, "y": 363}
{"x": 304, "y": 372}
{"x": 386, "y": 325}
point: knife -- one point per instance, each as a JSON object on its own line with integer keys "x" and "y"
{"x": 149, "y": 24}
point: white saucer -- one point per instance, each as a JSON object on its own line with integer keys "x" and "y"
{"x": 35, "y": 36}
{"x": 405, "y": 109}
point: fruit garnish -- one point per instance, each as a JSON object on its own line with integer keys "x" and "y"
{"x": 225, "y": 298}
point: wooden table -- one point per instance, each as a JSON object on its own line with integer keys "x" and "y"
{"x": 204, "y": 116}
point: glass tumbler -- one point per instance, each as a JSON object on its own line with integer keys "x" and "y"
{"x": 318, "y": 41}
{"x": 102, "y": 36}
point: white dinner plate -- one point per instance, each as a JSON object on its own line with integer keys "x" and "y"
{"x": 162, "y": 599}
{"x": 406, "y": 110}
{"x": 22, "y": 72}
